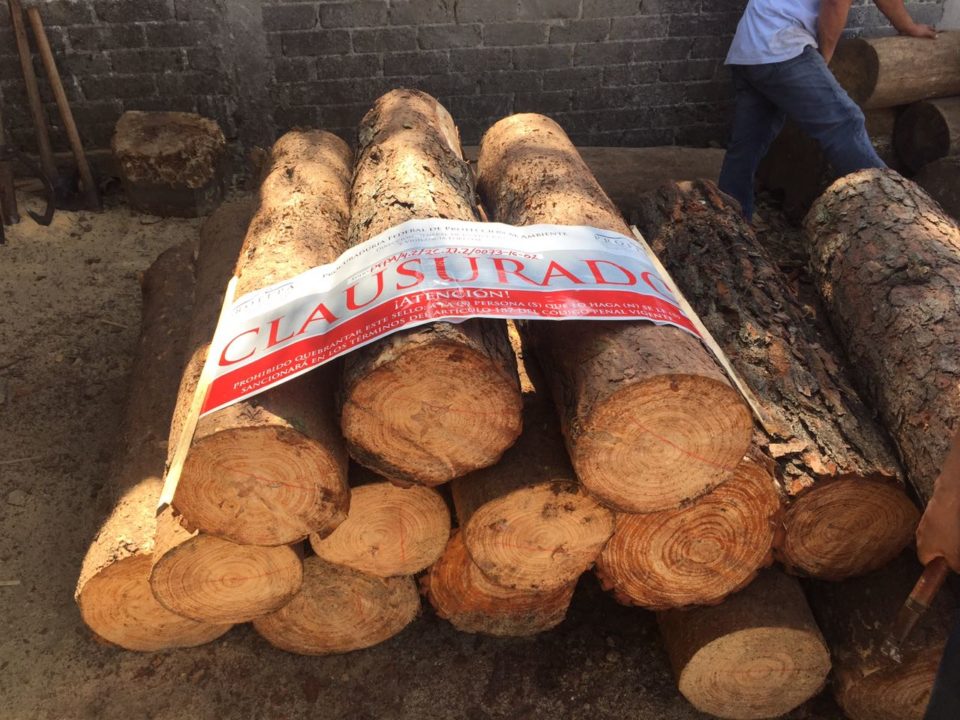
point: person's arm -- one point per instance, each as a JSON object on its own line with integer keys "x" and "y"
{"x": 900, "y": 19}
{"x": 833, "y": 19}
{"x": 938, "y": 534}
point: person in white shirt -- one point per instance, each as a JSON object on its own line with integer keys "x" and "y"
{"x": 778, "y": 60}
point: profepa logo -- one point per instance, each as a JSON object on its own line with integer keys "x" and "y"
{"x": 616, "y": 240}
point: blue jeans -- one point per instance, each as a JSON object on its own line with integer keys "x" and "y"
{"x": 804, "y": 90}
{"x": 945, "y": 701}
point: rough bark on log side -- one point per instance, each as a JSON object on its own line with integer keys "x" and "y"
{"x": 463, "y": 595}
{"x": 848, "y": 511}
{"x": 113, "y": 590}
{"x": 272, "y": 469}
{"x": 942, "y": 180}
{"x": 886, "y": 260}
{"x": 928, "y": 131}
{"x": 855, "y": 617}
{"x": 339, "y": 609}
{"x": 699, "y": 554}
{"x": 429, "y": 404}
{"x": 526, "y": 522}
{"x": 390, "y": 530}
{"x": 650, "y": 420}
{"x": 758, "y": 655}
{"x": 889, "y": 71}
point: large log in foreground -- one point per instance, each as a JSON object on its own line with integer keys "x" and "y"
{"x": 460, "y": 593}
{"x": 272, "y": 469}
{"x": 848, "y": 511}
{"x": 113, "y": 591}
{"x": 390, "y": 530}
{"x": 889, "y": 71}
{"x": 339, "y": 609}
{"x": 429, "y": 404}
{"x": 758, "y": 655}
{"x": 699, "y": 554}
{"x": 887, "y": 262}
{"x": 649, "y": 419}
{"x": 928, "y": 131}
{"x": 855, "y": 617}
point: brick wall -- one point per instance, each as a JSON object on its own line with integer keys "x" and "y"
{"x": 631, "y": 72}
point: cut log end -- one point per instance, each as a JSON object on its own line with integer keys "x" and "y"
{"x": 118, "y": 605}
{"x": 540, "y": 537}
{"x": 695, "y": 555}
{"x": 390, "y": 531}
{"x": 846, "y": 528}
{"x": 755, "y": 673}
{"x": 339, "y": 609}
{"x": 415, "y": 419}
{"x": 902, "y": 692}
{"x": 663, "y": 442}
{"x": 265, "y": 485}
{"x": 216, "y": 581}
{"x": 856, "y": 66}
{"x": 463, "y": 595}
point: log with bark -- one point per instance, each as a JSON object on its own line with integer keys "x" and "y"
{"x": 855, "y": 617}
{"x": 526, "y": 522}
{"x": 847, "y": 507}
{"x": 390, "y": 530}
{"x": 942, "y": 180}
{"x": 113, "y": 591}
{"x": 272, "y": 469}
{"x": 429, "y": 404}
{"x": 758, "y": 655}
{"x": 339, "y": 609}
{"x": 463, "y": 595}
{"x": 699, "y": 554}
{"x": 649, "y": 419}
{"x": 886, "y": 260}
{"x": 928, "y": 131}
{"x": 889, "y": 71}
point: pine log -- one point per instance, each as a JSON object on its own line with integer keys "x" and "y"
{"x": 463, "y": 595}
{"x": 526, "y": 522}
{"x": 942, "y": 180}
{"x": 855, "y": 617}
{"x": 886, "y": 260}
{"x": 113, "y": 591}
{"x": 208, "y": 579}
{"x": 699, "y": 554}
{"x": 889, "y": 71}
{"x": 429, "y": 404}
{"x": 928, "y": 131}
{"x": 339, "y": 610}
{"x": 390, "y": 531}
{"x": 758, "y": 655}
{"x": 848, "y": 511}
{"x": 649, "y": 419}
{"x": 272, "y": 469}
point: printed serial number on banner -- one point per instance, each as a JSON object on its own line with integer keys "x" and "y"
{"x": 424, "y": 271}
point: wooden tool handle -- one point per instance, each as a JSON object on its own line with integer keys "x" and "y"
{"x": 930, "y": 582}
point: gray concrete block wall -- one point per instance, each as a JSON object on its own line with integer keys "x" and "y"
{"x": 612, "y": 72}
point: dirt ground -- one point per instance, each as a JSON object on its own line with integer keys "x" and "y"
{"x": 69, "y": 310}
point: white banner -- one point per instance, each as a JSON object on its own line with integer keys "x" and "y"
{"x": 426, "y": 271}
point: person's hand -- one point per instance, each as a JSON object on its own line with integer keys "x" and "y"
{"x": 919, "y": 30}
{"x": 938, "y": 534}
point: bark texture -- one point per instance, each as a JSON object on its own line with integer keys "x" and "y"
{"x": 847, "y": 508}
{"x": 113, "y": 591}
{"x": 758, "y": 655}
{"x": 855, "y": 617}
{"x": 886, "y": 260}
{"x": 649, "y": 419}
{"x": 272, "y": 469}
{"x": 433, "y": 403}
{"x": 928, "y": 131}
{"x": 889, "y": 71}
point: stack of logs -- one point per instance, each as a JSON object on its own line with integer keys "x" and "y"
{"x": 309, "y": 509}
{"x": 909, "y": 90}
